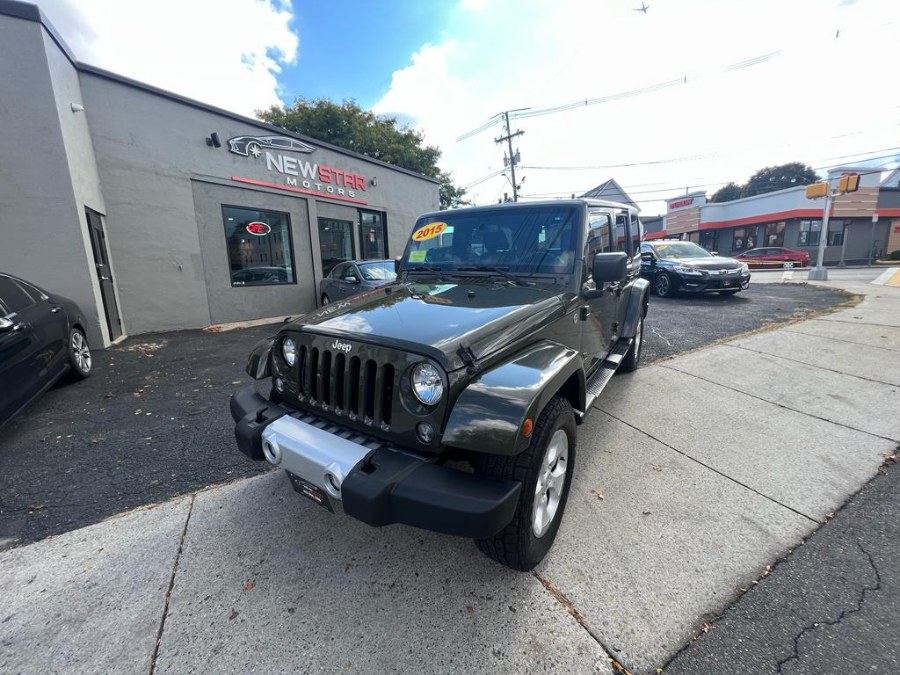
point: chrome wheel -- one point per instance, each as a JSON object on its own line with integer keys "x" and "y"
{"x": 81, "y": 353}
{"x": 550, "y": 483}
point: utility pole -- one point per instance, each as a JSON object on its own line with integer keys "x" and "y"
{"x": 513, "y": 158}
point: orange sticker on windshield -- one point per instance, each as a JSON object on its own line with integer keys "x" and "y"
{"x": 429, "y": 231}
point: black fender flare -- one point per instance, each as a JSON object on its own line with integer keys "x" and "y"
{"x": 259, "y": 363}
{"x": 638, "y": 301}
{"x": 488, "y": 415}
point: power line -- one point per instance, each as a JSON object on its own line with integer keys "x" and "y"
{"x": 683, "y": 80}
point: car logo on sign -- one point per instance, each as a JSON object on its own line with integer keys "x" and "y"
{"x": 341, "y": 346}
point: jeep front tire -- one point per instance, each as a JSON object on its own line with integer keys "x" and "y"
{"x": 545, "y": 471}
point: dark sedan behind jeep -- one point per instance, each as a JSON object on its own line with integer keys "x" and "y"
{"x": 42, "y": 338}
{"x": 674, "y": 265}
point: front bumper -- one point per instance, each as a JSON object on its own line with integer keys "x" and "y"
{"x": 711, "y": 284}
{"x": 377, "y": 483}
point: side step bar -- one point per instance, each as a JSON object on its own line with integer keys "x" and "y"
{"x": 604, "y": 373}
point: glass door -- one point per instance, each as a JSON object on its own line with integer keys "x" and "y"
{"x": 372, "y": 235}
{"x": 335, "y": 242}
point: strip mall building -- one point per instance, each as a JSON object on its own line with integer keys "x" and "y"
{"x": 861, "y": 224}
{"x": 155, "y": 212}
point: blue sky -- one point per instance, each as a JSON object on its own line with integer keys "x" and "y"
{"x": 756, "y": 82}
{"x": 350, "y": 49}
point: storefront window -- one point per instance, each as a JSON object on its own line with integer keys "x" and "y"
{"x": 372, "y": 235}
{"x": 836, "y": 232}
{"x": 744, "y": 238}
{"x": 709, "y": 240}
{"x": 775, "y": 234}
{"x": 335, "y": 242}
{"x": 259, "y": 247}
{"x": 809, "y": 233}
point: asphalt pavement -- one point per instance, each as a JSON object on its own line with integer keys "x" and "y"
{"x": 153, "y": 422}
{"x": 694, "y": 476}
{"x": 833, "y": 606}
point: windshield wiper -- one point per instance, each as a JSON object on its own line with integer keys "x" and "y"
{"x": 497, "y": 270}
{"x": 424, "y": 268}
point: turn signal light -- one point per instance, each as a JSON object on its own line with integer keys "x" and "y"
{"x": 849, "y": 182}
{"x": 817, "y": 190}
{"x": 527, "y": 427}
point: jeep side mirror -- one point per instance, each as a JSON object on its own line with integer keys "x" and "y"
{"x": 610, "y": 267}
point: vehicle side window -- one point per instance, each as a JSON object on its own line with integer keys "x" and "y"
{"x": 13, "y": 297}
{"x": 340, "y": 271}
{"x": 620, "y": 241}
{"x": 752, "y": 254}
{"x": 636, "y": 234}
{"x": 350, "y": 271}
{"x": 599, "y": 226}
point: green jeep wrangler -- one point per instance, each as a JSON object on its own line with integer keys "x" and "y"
{"x": 449, "y": 400}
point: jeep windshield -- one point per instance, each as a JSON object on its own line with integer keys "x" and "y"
{"x": 506, "y": 241}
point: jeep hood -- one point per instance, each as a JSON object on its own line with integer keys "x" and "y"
{"x": 436, "y": 318}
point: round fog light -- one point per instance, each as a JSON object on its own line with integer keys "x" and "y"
{"x": 425, "y": 432}
{"x": 279, "y": 385}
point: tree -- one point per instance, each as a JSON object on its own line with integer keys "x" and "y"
{"x": 727, "y": 193}
{"x": 383, "y": 138}
{"x": 774, "y": 178}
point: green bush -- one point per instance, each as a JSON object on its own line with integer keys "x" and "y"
{"x": 895, "y": 255}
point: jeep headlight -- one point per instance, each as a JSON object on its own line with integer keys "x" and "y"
{"x": 688, "y": 271}
{"x": 289, "y": 351}
{"x": 427, "y": 384}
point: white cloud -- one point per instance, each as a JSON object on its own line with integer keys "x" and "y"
{"x": 226, "y": 53}
{"x": 818, "y": 97}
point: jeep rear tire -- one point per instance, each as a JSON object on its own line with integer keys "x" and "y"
{"x": 633, "y": 355}
{"x": 545, "y": 471}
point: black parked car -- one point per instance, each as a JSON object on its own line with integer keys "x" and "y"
{"x": 355, "y": 276}
{"x": 42, "y": 338}
{"x": 675, "y": 265}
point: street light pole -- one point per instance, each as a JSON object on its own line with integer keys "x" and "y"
{"x": 819, "y": 273}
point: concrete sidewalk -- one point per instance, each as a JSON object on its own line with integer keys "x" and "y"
{"x": 692, "y": 476}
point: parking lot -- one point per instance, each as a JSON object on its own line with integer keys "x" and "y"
{"x": 153, "y": 421}
{"x": 691, "y": 484}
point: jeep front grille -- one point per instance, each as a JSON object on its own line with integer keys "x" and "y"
{"x": 359, "y": 388}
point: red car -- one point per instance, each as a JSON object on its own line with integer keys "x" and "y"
{"x": 773, "y": 257}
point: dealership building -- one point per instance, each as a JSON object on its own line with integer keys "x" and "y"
{"x": 155, "y": 212}
{"x": 863, "y": 225}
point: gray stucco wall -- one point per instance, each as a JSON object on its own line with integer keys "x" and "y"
{"x": 42, "y": 235}
{"x": 228, "y": 303}
{"x": 149, "y": 149}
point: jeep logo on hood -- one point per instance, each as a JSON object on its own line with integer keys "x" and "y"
{"x": 341, "y": 346}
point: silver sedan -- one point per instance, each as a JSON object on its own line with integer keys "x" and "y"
{"x": 355, "y": 276}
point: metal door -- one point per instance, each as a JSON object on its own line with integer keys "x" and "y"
{"x": 600, "y": 300}
{"x": 104, "y": 273}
